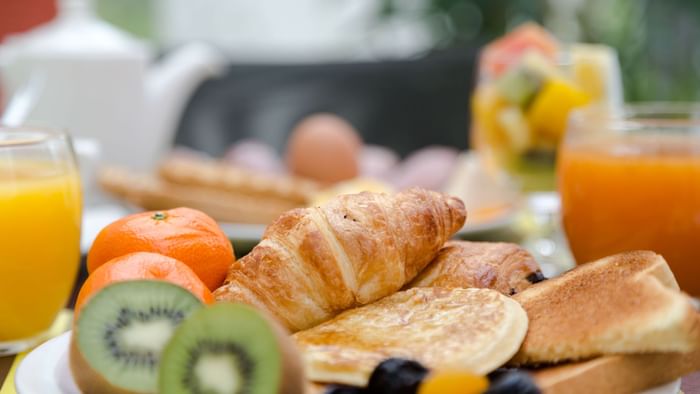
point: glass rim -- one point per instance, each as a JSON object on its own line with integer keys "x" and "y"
{"x": 561, "y": 58}
{"x": 642, "y": 115}
{"x": 33, "y": 135}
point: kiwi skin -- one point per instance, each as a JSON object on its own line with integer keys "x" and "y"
{"x": 293, "y": 380}
{"x": 88, "y": 380}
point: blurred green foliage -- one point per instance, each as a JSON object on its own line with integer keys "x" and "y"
{"x": 134, "y": 16}
{"x": 657, "y": 41}
{"x": 470, "y": 22}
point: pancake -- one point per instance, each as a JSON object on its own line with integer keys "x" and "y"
{"x": 476, "y": 330}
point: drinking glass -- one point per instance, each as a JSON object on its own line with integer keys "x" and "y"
{"x": 520, "y": 110}
{"x": 630, "y": 180}
{"x": 40, "y": 212}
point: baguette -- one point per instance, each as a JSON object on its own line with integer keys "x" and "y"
{"x": 220, "y": 176}
{"x": 152, "y": 193}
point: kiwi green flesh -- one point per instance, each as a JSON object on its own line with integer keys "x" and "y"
{"x": 123, "y": 329}
{"x": 222, "y": 349}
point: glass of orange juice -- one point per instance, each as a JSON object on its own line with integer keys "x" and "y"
{"x": 40, "y": 211}
{"x": 630, "y": 180}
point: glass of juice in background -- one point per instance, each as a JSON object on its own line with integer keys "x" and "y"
{"x": 40, "y": 212}
{"x": 630, "y": 180}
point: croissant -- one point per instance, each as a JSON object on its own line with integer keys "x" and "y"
{"x": 504, "y": 267}
{"x": 313, "y": 263}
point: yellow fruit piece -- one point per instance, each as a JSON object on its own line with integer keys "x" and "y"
{"x": 453, "y": 383}
{"x": 596, "y": 70}
{"x": 549, "y": 111}
{"x": 486, "y": 107}
{"x": 516, "y": 128}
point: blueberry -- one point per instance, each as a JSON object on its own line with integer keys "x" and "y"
{"x": 396, "y": 376}
{"x": 511, "y": 381}
{"x": 340, "y": 389}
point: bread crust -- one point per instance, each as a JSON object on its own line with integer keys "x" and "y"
{"x": 617, "y": 374}
{"x": 626, "y": 303}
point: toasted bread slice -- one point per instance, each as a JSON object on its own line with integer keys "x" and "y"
{"x": 504, "y": 267}
{"x": 468, "y": 329}
{"x": 626, "y": 303}
{"x": 617, "y": 374}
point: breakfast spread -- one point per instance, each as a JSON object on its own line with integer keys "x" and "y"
{"x": 378, "y": 300}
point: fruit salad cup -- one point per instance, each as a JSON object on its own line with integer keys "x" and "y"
{"x": 527, "y": 85}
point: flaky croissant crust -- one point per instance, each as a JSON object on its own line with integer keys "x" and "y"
{"x": 313, "y": 263}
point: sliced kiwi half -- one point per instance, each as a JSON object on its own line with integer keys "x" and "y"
{"x": 230, "y": 349}
{"x": 117, "y": 342}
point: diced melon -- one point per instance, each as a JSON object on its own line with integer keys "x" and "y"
{"x": 549, "y": 111}
{"x": 499, "y": 55}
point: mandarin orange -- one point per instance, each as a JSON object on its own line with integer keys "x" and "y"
{"x": 143, "y": 265}
{"x": 184, "y": 234}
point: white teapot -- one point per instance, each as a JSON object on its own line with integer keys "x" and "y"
{"x": 97, "y": 82}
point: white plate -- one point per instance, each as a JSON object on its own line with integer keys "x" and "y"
{"x": 45, "y": 370}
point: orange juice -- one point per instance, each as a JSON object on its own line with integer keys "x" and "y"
{"x": 39, "y": 245}
{"x": 634, "y": 192}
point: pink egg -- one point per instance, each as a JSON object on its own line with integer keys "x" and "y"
{"x": 428, "y": 167}
{"x": 377, "y": 161}
{"x": 254, "y": 155}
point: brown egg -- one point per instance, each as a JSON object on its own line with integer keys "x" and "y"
{"x": 324, "y": 147}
